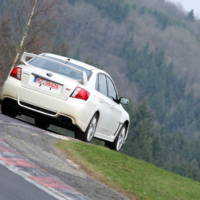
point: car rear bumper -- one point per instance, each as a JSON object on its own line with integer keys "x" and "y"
{"x": 37, "y": 103}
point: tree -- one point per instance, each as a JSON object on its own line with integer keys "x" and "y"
{"x": 32, "y": 29}
{"x": 144, "y": 139}
{"x": 7, "y": 47}
{"x": 37, "y": 10}
{"x": 25, "y": 34}
{"x": 190, "y": 15}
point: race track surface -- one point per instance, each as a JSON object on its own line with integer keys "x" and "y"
{"x": 13, "y": 187}
{"x": 32, "y": 167}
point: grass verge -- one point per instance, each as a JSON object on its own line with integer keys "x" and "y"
{"x": 133, "y": 176}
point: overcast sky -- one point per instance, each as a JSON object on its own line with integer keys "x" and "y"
{"x": 189, "y": 5}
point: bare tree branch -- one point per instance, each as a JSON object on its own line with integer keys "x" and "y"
{"x": 25, "y": 34}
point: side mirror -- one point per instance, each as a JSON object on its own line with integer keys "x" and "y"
{"x": 124, "y": 100}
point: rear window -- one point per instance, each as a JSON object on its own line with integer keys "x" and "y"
{"x": 69, "y": 70}
{"x": 88, "y": 72}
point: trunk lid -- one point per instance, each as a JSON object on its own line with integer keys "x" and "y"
{"x": 47, "y": 82}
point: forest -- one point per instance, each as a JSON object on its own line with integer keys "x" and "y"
{"x": 151, "y": 48}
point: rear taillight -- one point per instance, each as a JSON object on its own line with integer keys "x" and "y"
{"x": 16, "y": 73}
{"x": 80, "y": 93}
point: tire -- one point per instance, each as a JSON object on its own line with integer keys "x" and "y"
{"x": 41, "y": 123}
{"x": 9, "y": 108}
{"x": 90, "y": 131}
{"x": 119, "y": 141}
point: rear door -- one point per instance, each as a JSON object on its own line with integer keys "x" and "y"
{"x": 109, "y": 110}
{"x": 101, "y": 87}
{"x": 115, "y": 107}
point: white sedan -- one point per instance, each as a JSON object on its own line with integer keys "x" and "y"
{"x": 63, "y": 91}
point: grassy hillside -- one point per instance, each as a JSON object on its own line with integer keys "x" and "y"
{"x": 135, "y": 177}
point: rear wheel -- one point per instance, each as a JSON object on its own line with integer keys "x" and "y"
{"x": 41, "y": 123}
{"x": 90, "y": 131}
{"x": 9, "y": 107}
{"x": 119, "y": 141}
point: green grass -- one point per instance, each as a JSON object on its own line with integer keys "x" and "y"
{"x": 135, "y": 177}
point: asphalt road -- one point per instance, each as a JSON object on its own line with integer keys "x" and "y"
{"x": 53, "y": 171}
{"x": 13, "y": 187}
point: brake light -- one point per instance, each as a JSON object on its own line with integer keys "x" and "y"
{"x": 80, "y": 93}
{"x": 16, "y": 73}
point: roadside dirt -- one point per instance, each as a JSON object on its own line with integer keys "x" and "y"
{"x": 39, "y": 146}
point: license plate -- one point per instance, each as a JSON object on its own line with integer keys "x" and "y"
{"x": 46, "y": 85}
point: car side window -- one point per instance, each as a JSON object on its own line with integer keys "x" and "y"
{"x": 102, "y": 85}
{"x": 111, "y": 89}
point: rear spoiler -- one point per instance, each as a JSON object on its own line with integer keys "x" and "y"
{"x": 28, "y": 56}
